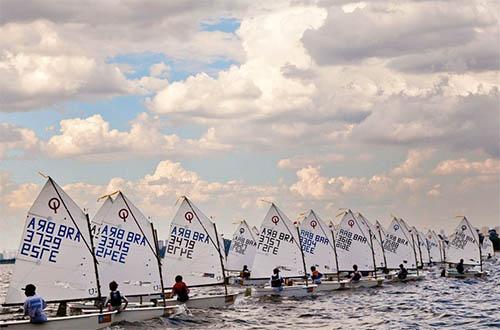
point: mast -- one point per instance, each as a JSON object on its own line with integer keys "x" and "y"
{"x": 303, "y": 257}
{"x": 373, "y": 253}
{"x": 155, "y": 237}
{"x": 96, "y": 271}
{"x": 381, "y": 243}
{"x": 335, "y": 252}
{"x": 414, "y": 251}
{"x": 221, "y": 260}
{"x": 478, "y": 244}
{"x": 419, "y": 249}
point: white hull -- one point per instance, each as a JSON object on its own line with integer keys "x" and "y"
{"x": 467, "y": 274}
{"x": 92, "y": 321}
{"x": 409, "y": 278}
{"x": 365, "y": 283}
{"x": 249, "y": 282}
{"x": 204, "y": 302}
{"x": 286, "y": 291}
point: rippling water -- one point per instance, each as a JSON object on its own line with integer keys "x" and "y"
{"x": 433, "y": 303}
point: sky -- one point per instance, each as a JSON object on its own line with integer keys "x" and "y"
{"x": 384, "y": 107}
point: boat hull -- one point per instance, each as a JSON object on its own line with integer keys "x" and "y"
{"x": 249, "y": 282}
{"x": 286, "y": 291}
{"x": 468, "y": 274}
{"x": 218, "y": 301}
{"x": 92, "y": 321}
{"x": 409, "y": 278}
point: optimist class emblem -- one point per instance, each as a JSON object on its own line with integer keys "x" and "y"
{"x": 275, "y": 220}
{"x": 396, "y": 227}
{"x": 242, "y": 230}
{"x": 54, "y": 204}
{"x": 350, "y": 223}
{"x": 123, "y": 214}
{"x": 314, "y": 224}
{"x": 189, "y": 216}
{"x": 464, "y": 227}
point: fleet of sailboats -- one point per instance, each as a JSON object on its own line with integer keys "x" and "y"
{"x": 71, "y": 259}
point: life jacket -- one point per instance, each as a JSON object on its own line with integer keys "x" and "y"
{"x": 245, "y": 274}
{"x": 460, "y": 268}
{"x": 316, "y": 275}
{"x": 115, "y": 298}
{"x": 34, "y": 306}
{"x": 181, "y": 290}
{"x": 403, "y": 273}
{"x": 356, "y": 276}
{"x": 276, "y": 281}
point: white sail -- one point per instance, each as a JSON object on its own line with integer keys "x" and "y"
{"x": 278, "y": 247}
{"x": 423, "y": 247}
{"x": 398, "y": 247}
{"x": 317, "y": 244}
{"x": 411, "y": 233}
{"x": 377, "y": 244}
{"x": 193, "y": 248}
{"x": 464, "y": 244}
{"x": 55, "y": 251}
{"x": 487, "y": 248}
{"x": 243, "y": 248}
{"x": 352, "y": 243}
{"x": 433, "y": 247}
{"x": 125, "y": 248}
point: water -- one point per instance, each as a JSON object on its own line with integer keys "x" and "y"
{"x": 435, "y": 303}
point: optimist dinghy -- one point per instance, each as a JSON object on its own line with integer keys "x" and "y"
{"x": 242, "y": 253}
{"x": 464, "y": 244}
{"x": 400, "y": 248}
{"x": 196, "y": 252}
{"x": 280, "y": 247}
{"x": 488, "y": 253}
{"x": 56, "y": 254}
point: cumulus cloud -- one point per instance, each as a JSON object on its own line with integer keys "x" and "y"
{"x": 20, "y": 141}
{"x": 463, "y": 166}
{"x": 93, "y": 138}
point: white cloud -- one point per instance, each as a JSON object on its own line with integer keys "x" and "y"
{"x": 463, "y": 167}
{"x": 93, "y": 138}
{"x": 21, "y": 141}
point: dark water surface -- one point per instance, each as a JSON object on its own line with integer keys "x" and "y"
{"x": 435, "y": 303}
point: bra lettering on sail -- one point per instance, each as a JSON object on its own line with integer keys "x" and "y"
{"x": 123, "y": 214}
{"x": 54, "y": 204}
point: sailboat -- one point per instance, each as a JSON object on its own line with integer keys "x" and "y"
{"x": 196, "y": 252}
{"x": 434, "y": 248}
{"x": 279, "y": 246}
{"x": 464, "y": 244}
{"x": 376, "y": 238}
{"x": 354, "y": 246}
{"x": 399, "y": 248}
{"x": 319, "y": 251}
{"x": 57, "y": 255}
{"x": 488, "y": 253}
{"x": 242, "y": 251}
{"x": 126, "y": 250}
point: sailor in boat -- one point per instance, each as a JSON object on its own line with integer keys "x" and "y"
{"x": 356, "y": 275}
{"x": 460, "y": 267}
{"x": 489, "y": 256}
{"x": 34, "y": 305}
{"x": 316, "y": 275}
{"x": 276, "y": 280}
{"x": 115, "y": 298}
{"x": 403, "y": 272}
{"x": 180, "y": 289}
{"x": 245, "y": 273}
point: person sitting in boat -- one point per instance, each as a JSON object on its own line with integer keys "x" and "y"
{"x": 489, "y": 256}
{"x": 356, "y": 275}
{"x": 276, "y": 279}
{"x": 245, "y": 273}
{"x": 34, "y": 305}
{"x": 316, "y": 275}
{"x": 460, "y": 267}
{"x": 180, "y": 289}
{"x": 403, "y": 272}
{"x": 116, "y": 299}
